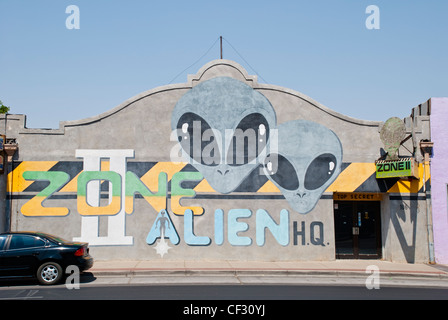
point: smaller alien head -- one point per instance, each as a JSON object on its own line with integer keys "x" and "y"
{"x": 308, "y": 160}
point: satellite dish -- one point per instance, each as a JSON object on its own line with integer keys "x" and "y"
{"x": 392, "y": 134}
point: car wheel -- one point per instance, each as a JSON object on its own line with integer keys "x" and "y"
{"x": 49, "y": 273}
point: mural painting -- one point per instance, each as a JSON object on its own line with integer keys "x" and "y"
{"x": 301, "y": 157}
{"x": 226, "y": 138}
{"x": 219, "y": 167}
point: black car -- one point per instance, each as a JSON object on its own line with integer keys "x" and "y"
{"x": 40, "y": 255}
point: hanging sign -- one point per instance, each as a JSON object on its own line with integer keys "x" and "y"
{"x": 357, "y": 196}
{"x": 405, "y": 167}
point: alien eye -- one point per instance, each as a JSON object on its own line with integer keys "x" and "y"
{"x": 197, "y": 139}
{"x": 281, "y": 171}
{"x": 320, "y": 171}
{"x": 249, "y": 140}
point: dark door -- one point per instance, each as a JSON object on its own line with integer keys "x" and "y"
{"x": 357, "y": 229}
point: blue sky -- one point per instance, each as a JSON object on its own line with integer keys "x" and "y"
{"x": 321, "y": 48}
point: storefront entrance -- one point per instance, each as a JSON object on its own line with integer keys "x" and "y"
{"x": 357, "y": 229}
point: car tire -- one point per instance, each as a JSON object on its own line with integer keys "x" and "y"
{"x": 49, "y": 273}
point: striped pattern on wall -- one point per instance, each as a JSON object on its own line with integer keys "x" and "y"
{"x": 355, "y": 177}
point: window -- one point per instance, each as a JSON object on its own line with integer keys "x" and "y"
{"x": 2, "y": 241}
{"x": 19, "y": 241}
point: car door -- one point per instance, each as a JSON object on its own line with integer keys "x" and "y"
{"x": 21, "y": 255}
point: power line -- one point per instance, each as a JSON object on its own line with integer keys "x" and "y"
{"x": 195, "y": 61}
{"x": 245, "y": 60}
{"x": 211, "y": 47}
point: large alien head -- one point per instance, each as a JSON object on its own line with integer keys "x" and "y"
{"x": 223, "y": 126}
{"x": 308, "y": 160}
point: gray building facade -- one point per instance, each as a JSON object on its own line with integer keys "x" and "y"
{"x": 221, "y": 167}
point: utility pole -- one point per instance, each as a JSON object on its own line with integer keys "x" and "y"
{"x": 427, "y": 147}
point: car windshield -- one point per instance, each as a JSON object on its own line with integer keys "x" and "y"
{"x": 54, "y": 238}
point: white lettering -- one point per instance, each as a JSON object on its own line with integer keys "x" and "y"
{"x": 200, "y": 310}
{"x": 373, "y": 21}
{"x": 373, "y": 281}
{"x": 72, "y": 21}
{"x": 116, "y": 223}
{"x": 72, "y": 281}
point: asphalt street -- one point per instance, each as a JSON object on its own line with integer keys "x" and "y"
{"x": 223, "y": 297}
{"x": 223, "y": 292}
{"x": 283, "y": 288}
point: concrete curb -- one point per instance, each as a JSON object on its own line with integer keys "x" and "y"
{"x": 320, "y": 273}
{"x": 347, "y": 272}
{"x": 262, "y": 272}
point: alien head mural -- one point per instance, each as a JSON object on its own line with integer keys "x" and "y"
{"x": 308, "y": 160}
{"x": 223, "y": 126}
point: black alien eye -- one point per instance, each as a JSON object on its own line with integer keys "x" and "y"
{"x": 197, "y": 139}
{"x": 281, "y": 171}
{"x": 320, "y": 171}
{"x": 249, "y": 140}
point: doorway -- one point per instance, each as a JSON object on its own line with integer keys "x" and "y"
{"x": 357, "y": 229}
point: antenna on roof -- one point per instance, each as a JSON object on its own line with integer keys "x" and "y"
{"x": 220, "y": 39}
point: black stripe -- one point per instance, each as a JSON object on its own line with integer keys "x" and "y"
{"x": 140, "y": 168}
{"x": 72, "y": 168}
{"x": 372, "y": 184}
{"x": 198, "y": 196}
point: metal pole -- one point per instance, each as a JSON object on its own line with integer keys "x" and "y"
{"x": 428, "y": 212}
{"x": 220, "y": 38}
{"x": 426, "y": 147}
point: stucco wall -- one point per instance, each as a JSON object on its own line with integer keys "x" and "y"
{"x": 439, "y": 177}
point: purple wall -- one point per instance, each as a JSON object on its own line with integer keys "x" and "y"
{"x": 439, "y": 177}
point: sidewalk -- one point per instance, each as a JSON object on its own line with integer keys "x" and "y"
{"x": 173, "y": 271}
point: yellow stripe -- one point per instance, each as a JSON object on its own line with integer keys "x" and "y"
{"x": 411, "y": 185}
{"x": 348, "y": 180}
{"x": 16, "y": 183}
{"x": 352, "y": 177}
{"x": 269, "y": 187}
{"x": 72, "y": 185}
{"x": 151, "y": 178}
{"x": 105, "y": 165}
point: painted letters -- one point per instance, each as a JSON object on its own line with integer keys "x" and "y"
{"x": 87, "y": 209}
{"x": 238, "y": 227}
{"x": 232, "y": 227}
{"x": 279, "y": 231}
{"x": 226, "y": 147}
{"x": 163, "y": 228}
{"x": 35, "y": 207}
{"x": 135, "y": 185}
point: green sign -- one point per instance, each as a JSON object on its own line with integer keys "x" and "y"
{"x": 395, "y": 168}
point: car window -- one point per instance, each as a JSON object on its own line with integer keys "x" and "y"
{"x": 2, "y": 241}
{"x": 53, "y": 238}
{"x": 19, "y": 241}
